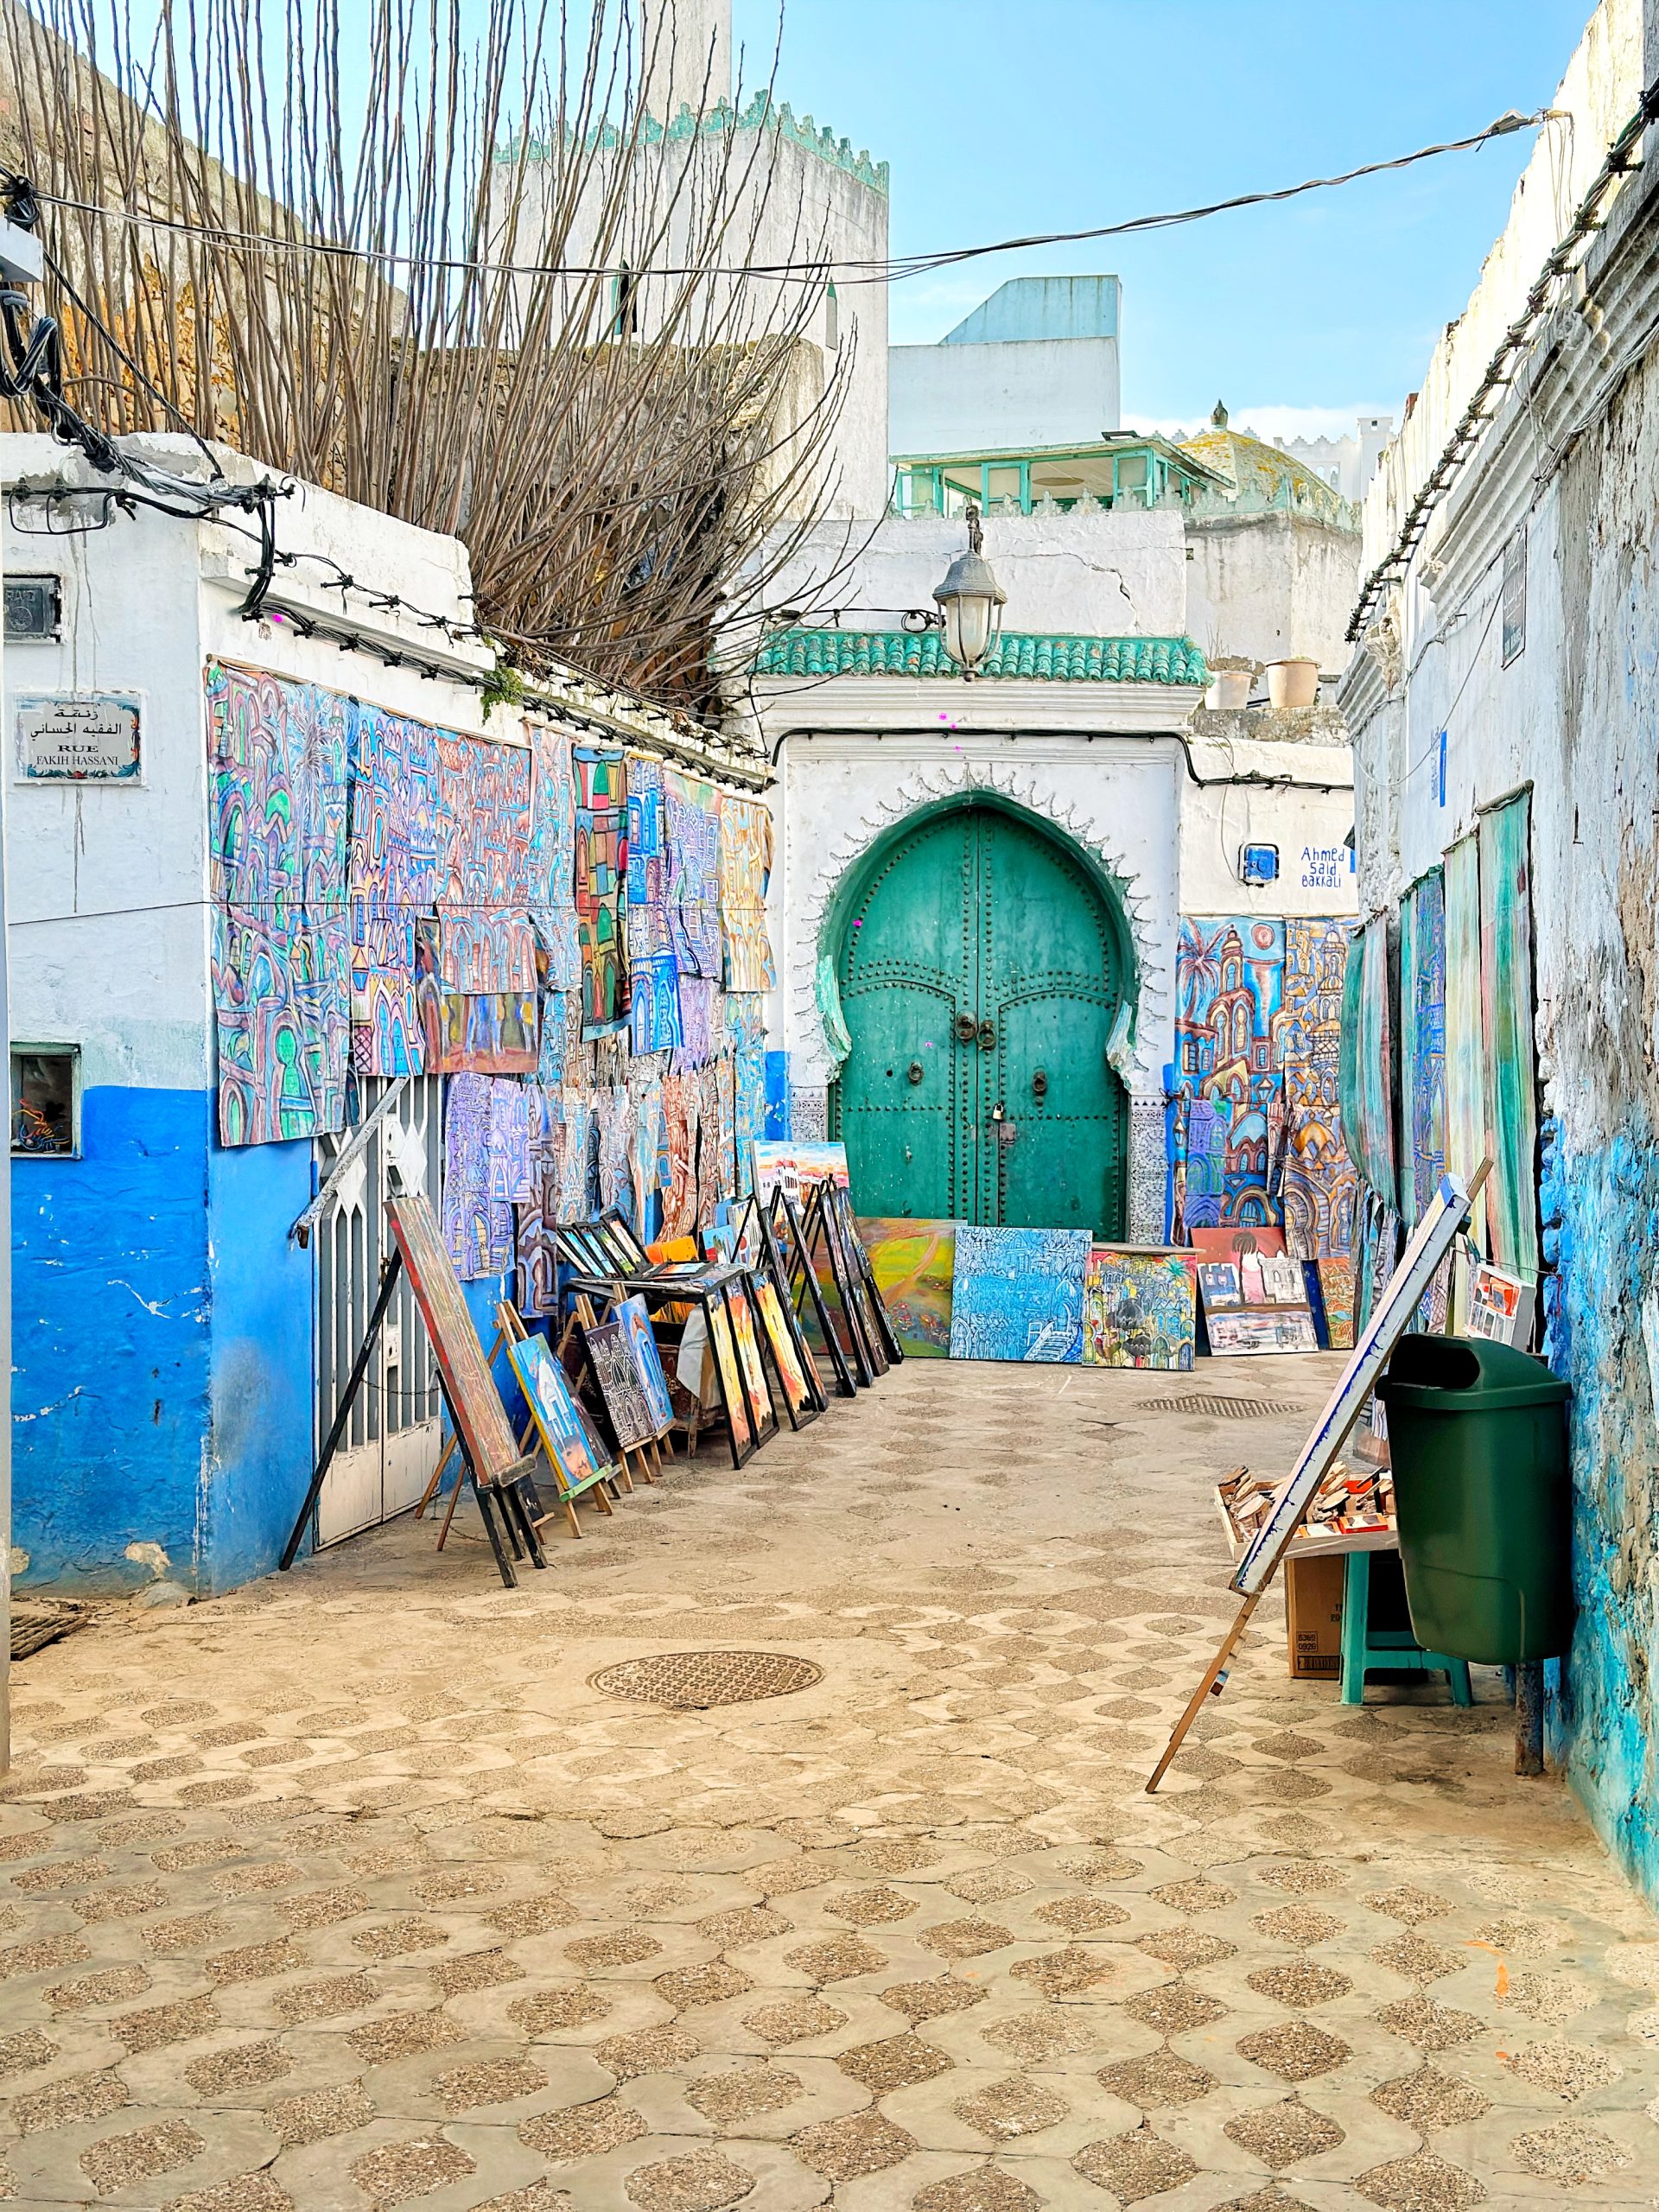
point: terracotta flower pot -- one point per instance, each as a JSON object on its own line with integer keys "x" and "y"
{"x": 1292, "y": 682}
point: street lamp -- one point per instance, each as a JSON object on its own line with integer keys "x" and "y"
{"x": 970, "y": 602}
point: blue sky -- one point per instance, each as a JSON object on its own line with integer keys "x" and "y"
{"x": 1001, "y": 117}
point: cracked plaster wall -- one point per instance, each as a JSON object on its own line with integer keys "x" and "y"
{"x": 1121, "y": 574}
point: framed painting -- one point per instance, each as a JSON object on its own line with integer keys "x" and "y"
{"x": 801, "y": 1301}
{"x": 475, "y": 1402}
{"x": 729, "y": 1376}
{"x": 573, "y": 1452}
{"x": 763, "y": 1416}
{"x": 884, "y": 1335}
{"x": 627, "y": 1406}
{"x": 840, "y": 1278}
{"x": 647, "y": 1362}
{"x": 800, "y": 1400}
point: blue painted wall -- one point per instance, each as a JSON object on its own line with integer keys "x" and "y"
{"x": 262, "y": 1387}
{"x": 112, "y": 1343}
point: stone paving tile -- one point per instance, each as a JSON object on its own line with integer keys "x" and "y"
{"x": 465, "y": 1933}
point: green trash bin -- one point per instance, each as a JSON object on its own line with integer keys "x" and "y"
{"x": 1477, "y": 1439}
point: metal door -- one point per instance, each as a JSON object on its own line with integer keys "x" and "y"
{"x": 391, "y": 1443}
{"x": 982, "y": 970}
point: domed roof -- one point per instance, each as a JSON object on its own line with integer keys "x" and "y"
{"x": 1266, "y": 478}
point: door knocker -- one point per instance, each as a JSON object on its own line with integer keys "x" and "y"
{"x": 986, "y": 1035}
{"x": 915, "y": 1071}
{"x": 967, "y": 1029}
{"x": 1039, "y": 1083}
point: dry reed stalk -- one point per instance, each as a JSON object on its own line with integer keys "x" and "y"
{"x": 408, "y": 293}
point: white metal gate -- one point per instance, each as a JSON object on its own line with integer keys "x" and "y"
{"x": 391, "y": 1441}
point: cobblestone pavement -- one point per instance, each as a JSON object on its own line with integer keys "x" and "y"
{"x": 353, "y": 1891}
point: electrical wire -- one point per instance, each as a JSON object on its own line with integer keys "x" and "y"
{"x": 855, "y": 270}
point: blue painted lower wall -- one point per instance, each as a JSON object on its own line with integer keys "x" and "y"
{"x": 1601, "y": 1216}
{"x": 262, "y": 1369}
{"x": 111, "y": 1344}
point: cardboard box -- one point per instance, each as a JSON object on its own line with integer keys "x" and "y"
{"x": 1313, "y": 1615}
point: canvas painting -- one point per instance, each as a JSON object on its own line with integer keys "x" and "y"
{"x": 1017, "y": 1294}
{"x": 469, "y": 1387}
{"x": 1261, "y": 1329}
{"x": 600, "y": 885}
{"x": 1500, "y": 1305}
{"x": 1336, "y": 1290}
{"x": 1221, "y": 1283}
{"x": 915, "y": 1265}
{"x": 620, "y": 1386}
{"x": 761, "y": 1415}
{"x": 732, "y": 1392}
{"x": 1137, "y": 1310}
{"x": 1233, "y": 1243}
{"x": 565, "y": 1435}
{"x": 781, "y": 1341}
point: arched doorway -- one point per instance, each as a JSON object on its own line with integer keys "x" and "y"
{"x": 984, "y": 965}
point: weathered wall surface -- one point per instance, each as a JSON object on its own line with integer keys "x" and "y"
{"x": 1267, "y": 587}
{"x": 162, "y": 1398}
{"x": 1116, "y": 574}
{"x": 1572, "y": 458}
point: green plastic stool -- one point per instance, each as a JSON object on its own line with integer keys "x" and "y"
{"x": 1391, "y": 1650}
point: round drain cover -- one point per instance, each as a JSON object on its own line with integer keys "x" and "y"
{"x": 699, "y": 1678}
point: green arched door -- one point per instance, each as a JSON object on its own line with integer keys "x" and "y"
{"x": 982, "y": 970}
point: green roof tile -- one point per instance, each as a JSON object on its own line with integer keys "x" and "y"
{"x": 1016, "y": 653}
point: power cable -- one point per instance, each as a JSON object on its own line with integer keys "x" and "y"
{"x": 867, "y": 269}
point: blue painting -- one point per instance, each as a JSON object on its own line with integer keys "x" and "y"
{"x": 575, "y": 1454}
{"x": 1017, "y": 1293}
{"x": 647, "y": 1361}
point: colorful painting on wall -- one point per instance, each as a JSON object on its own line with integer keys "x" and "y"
{"x": 493, "y": 1033}
{"x": 691, "y": 809}
{"x": 1017, "y": 1293}
{"x": 914, "y": 1263}
{"x": 1422, "y": 1042}
{"x": 1138, "y": 1310}
{"x": 598, "y": 881}
{"x": 1510, "y": 1089}
{"x": 1255, "y": 1124}
{"x": 745, "y": 869}
{"x": 277, "y": 770}
{"x": 653, "y": 973}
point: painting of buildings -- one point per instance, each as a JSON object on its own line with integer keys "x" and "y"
{"x": 1256, "y": 1136}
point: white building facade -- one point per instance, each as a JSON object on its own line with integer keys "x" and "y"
{"x": 1507, "y": 756}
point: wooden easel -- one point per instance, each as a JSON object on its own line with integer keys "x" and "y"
{"x": 511, "y": 1494}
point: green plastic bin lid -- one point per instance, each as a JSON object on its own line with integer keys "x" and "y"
{"x": 1467, "y": 1374}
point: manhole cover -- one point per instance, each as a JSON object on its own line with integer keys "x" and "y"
{"x": 1221, "y": 1408}
{"x": 700, "y": 1678}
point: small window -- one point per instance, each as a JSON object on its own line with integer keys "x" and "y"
{"x": 831, "y": 322}
{"x": 44, "y": 1098}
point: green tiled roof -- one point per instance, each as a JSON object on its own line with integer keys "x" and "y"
{"x": 1048, "y": 659}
